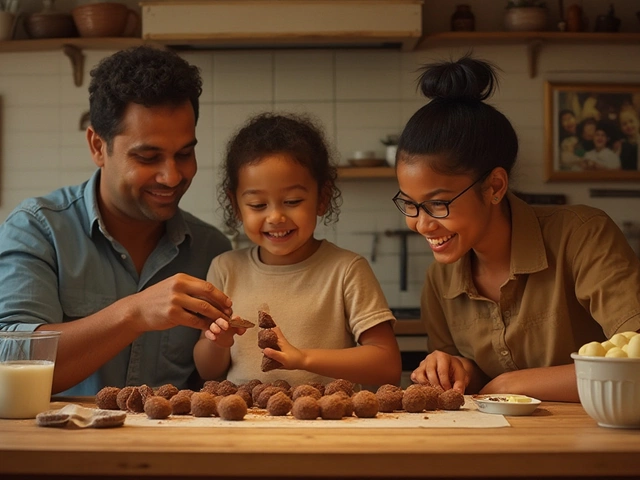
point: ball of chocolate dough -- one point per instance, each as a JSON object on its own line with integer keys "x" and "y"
{"x": 279, "y": 404}
{"x": 265, "y": 320}
{"x": 365, "y": 404}
{"x": 450, "y": 400}
{"x": 187, "y": 392}
{"x": 123, "y": 396}
{"x": 145, "y": 391}
{"x": 251, "y": 384}
{"x": 305, "y": 408}
{"x": 203, "y": 404}
{"x": 414, "y": 400}
{"x": 226, "y": 388}
{"x": 232, "y": 407}
{"x": 331, "y": 407}
{"x": 267, "y": 338}
{"x": 157, "y": 407}
{"x": 107, "y": 398}
{"x": 210, "y": 386}
{"x": 135, "y": 402}
{"x": 304, "y": 391}
{"x": 318, "y": 386}
{"x": 431, "y": 394}
{"x": 257, "y": 390}
{"x": 269, "y": 364}
{"x": 180, "y": 404}
{"x": 266, "y": 394}
{"x": 339, "y": 385}
{"x": 167, "y": 391}
{"x": 388, "y": 388}
{"x": 245, "y": 393}
{"x": 389, "y": 400}
{"x": 282, "y": 384}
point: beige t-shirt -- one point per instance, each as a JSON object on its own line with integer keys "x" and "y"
{"x": 325, "y": 301}
{"x": 573, "y": 279}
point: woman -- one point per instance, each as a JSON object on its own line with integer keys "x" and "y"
{"x": 515, "y": 289}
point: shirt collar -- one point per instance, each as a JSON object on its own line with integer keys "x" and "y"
{"x": 177, "y": 227}
{"x": 528, "y": 252}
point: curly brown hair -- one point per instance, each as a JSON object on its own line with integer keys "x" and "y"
{"x": 269, "y": 133}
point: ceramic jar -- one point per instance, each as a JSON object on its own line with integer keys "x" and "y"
{"x": 526, "y": 19}
{"x": 463, "y": 19}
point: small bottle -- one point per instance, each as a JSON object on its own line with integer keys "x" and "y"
{"x": 463, "y": 19}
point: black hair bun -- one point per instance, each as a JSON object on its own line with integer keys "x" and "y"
{"x": 464, "y": 79}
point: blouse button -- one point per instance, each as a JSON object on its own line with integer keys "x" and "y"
{"x": 504, "y": 353}
{"x": 123, "y": 256}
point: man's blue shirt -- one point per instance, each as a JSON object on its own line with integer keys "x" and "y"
{"x": 58, "y": 263}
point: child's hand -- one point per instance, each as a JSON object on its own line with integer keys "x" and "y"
{"x": 221, "y": 333}
{"x": 442, "y": 369}
{"x": 289, "y": 356}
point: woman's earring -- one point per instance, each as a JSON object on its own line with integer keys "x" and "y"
{"x": 496, "y": 199}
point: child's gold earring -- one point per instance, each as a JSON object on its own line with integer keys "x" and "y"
{"x": 496, "y": 199}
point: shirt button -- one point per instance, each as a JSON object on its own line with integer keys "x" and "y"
{"x": 504, "y": 353}
{"x": 123, "y": 256}
{"x": 507, "y": 314}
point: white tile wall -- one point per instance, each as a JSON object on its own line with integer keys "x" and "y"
{"x": 359, "y": 96}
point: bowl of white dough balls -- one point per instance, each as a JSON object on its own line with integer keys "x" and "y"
{"x": 608, "y": 375}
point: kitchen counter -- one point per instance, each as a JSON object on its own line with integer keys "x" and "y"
{"x": 558, "y": 440}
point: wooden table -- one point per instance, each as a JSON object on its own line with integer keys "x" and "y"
{"x": 557, "y": 441}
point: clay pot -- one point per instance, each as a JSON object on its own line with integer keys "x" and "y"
{"x": 50, "y": 25}
{"x": 105, "y": 19}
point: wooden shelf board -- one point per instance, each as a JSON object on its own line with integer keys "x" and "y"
{"x": 46, "y": 44}
{"x": 345, "y": 173}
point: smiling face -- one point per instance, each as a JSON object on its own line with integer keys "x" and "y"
{"x": 150, "y": 165}
{"x": 629, "y": 123}
{"x": 278, "y": 204}
{"x": 466, "y": 227}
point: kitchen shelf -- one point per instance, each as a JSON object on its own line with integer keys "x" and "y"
{"x": 533, "y": 40}
{"x": 354, "y": 173}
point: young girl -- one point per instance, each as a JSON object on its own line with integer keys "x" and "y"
{"x": 630, "y": 127}
{"x": 332, "y": 318}
{"x": 515, "y": 289}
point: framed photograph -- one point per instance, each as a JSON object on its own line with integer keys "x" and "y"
{"x": 592, "y": 132}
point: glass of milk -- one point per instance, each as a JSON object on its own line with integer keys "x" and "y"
{"x": 26, "y": 372}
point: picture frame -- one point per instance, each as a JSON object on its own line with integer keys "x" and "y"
{"x": 592, "y": 132}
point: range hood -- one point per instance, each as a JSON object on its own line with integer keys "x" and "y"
{"x": 252, "y": 24}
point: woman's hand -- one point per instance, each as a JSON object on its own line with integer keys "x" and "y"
{"x": 289, "y": 356}
{"x": 221, "y": 333}
{"x": 443, "y": 370}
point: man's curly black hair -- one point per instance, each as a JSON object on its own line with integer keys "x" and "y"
{"x": 144, "y": 75}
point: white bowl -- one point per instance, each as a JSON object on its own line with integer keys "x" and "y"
{"x": 506, "y": 404}
{"x": 609, "y": 389}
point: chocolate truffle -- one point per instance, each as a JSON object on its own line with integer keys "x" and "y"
{"x": 135, "y": 402}
{"x": 157, "y": 407}
{"x": 450, "y": 400}
{"x": 267, "y": 338}
{"x": 202, "y": 404}
{"x": 269, "y": 364}
{"x": 107, "y": 398}
{"x": 251, "y": 384}
{"x": 167, "y": 391}
{"x": 389, "y": 399}
{"x": 146, "y": 392}
{"x": 263, "y": 398}
{"x": 282, "y": 384}
{"x": 123, "y": 396}
{"x": 339, "y": 385}
{"x": 180, "y": 404}
{"x": 304, "y": 391}
{"x": 232, "y": 407}
{"x": 226, "y": 388}
{"x": 186, "y": 392}
{"x": 318, "y": 386}
{"x": 279, "y": 404}
{"x": 265, "y": 320}
{"x": 365, "y": 404}
{"x": 246, "y": 396}
{"x": 305, "y": 408}
{"x": 210, "y": 386}
{"x": 257, "y": 390}
{"x": 331, "y": 407}
{"x": 431, "y": 394}
{"x": 414, "y": 400}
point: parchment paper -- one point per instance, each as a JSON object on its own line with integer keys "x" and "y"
{"x": 467, "y": 417}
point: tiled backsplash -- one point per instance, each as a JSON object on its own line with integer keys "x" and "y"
{"x": 359, "y": 96}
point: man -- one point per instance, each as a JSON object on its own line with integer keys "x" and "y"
{"x": 113, "y": 263}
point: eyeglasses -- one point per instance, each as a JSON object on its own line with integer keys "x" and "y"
{"x": 435, "y": 208}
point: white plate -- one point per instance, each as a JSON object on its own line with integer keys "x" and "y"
{"x": 506, "y": 404}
